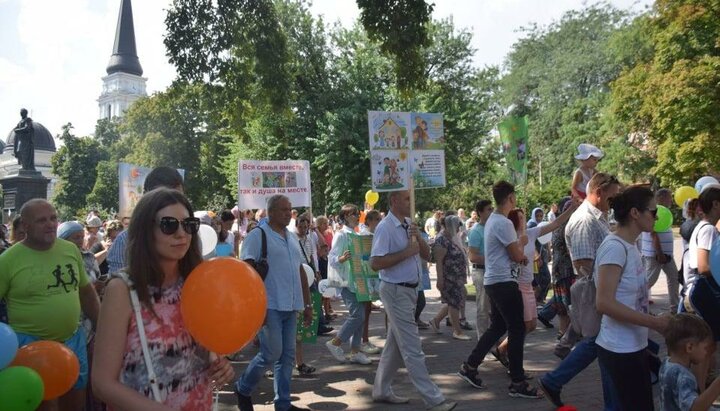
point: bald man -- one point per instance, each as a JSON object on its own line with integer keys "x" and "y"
{"x": 45, "y": 284}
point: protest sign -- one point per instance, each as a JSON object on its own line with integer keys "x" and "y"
{"x": 260, "y": 180}
{"x": 406, "y": 148}
{"x": 309, "y": 334}
{"x": 131, "y": 181}
{"x": 363, "y": 279}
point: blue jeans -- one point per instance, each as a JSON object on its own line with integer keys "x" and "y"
{"x": 548, "y": 311}
{"x": 277, "y": 348}
{"x": 584, "y": 354}
{"x": 353, "y": 326}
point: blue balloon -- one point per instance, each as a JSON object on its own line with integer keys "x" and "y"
{"x": 704, "y": 181}
{"x": 223, "y": 250}
{"x": 715, "y": 259}
{"x": 8, "y": 345}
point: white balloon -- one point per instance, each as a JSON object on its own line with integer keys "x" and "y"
{"x": 327, "y": 292}
{"x": 709, "y": 186}
{"x": 208, "y": 239}
{"x": 310, "y": 274}
{"x": 547, "y": 237}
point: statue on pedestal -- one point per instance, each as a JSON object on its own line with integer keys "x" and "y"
{"x": 24, "y": 147}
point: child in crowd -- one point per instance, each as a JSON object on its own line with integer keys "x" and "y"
{"x": 588, "y": 156}
{"x": 688, "y": 340}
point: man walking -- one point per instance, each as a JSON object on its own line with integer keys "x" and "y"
{"x": 657, "y": 252}
{"x": 504, "y": 257}
{"x": 44, "y": 281}
{"x": 287, "y": 292}
{"x": 585, "y": 231}
{"x": 476, "y": 254}
{"x": 396, "y": 252}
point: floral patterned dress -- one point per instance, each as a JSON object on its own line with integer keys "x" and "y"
{"x": 455, "y": 272}
{"x": 180, "y": 363}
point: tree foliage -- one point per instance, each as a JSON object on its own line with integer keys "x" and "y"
{"x": 74, "y": 165}
{"x": 671, "y": 98}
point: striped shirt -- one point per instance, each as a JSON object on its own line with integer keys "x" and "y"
{"x": 666, "y": 243}
{"x": 116, "y": 257}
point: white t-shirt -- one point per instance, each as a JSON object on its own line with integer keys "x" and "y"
{"x": 632, "y": 291}
{"x": 430, "y": 226}
{"x": 526, "y": 271}
{"x": 702, "y": 237}
{"x": 499, "y": 233}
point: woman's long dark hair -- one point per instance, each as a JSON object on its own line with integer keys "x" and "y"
{"x": 143, "y": 267}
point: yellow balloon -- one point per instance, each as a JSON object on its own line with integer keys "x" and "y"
{"x": 683, "y": 194}
{"x": 371, "y": 197}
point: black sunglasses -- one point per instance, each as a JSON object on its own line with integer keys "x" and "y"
{"x": 170, "y": 225}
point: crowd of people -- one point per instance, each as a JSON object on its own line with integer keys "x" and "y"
{"x": 110, "y": 291}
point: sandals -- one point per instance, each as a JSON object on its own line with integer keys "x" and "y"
{"x": 523, "y": 390}
{"x": 305, "y": 369}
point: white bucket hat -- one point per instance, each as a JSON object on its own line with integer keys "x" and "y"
{"x": 588, "y": 150}
{"x": 93, "y": 222}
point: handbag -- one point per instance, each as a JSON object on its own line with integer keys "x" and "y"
{"x": 261, "y": 266}
{"x": 584, "y": 317}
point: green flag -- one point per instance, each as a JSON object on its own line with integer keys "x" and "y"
{"x": 514, "y": 138}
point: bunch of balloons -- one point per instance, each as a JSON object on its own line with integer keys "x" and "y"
{"x": 223, "y": 304}
{"x": 41, "y": 370}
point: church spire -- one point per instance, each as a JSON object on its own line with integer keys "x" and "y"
{"x": 124, "y": 58}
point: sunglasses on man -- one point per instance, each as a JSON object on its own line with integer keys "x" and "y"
{"x": 170, "y": 225}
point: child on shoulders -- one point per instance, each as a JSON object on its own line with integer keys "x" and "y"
{"x": 588, "y": 156}
{"x": 688, "y": 340}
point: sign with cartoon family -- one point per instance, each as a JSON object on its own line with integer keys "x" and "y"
{"x": 405, "y": 144}
{"x": 260, "y": 180}
{"x": 131, "y": 181}
{"x": 514, "y": 139}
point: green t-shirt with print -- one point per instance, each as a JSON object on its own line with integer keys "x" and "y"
{"x": 42, "y": 289}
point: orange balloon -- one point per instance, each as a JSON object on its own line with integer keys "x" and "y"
{"x": 57, "y": 365}
{"x": 223, "y": 304}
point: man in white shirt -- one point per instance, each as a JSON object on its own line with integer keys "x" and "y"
{"x": 396, "y": 252}
{"x": 657, "y": 253}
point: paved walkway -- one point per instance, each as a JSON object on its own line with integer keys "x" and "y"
{"x": 348, "y": 386}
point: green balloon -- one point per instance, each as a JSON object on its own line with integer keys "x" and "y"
{"x": 664, "y": 219}
{"x": 21, "y": 389}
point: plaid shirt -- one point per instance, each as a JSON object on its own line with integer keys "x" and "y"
{"x": 585, "y": 231}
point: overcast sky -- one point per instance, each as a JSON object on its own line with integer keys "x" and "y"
{"x": 53, "y": 53}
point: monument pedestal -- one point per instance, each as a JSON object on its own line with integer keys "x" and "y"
{"x": 19, "y": 188}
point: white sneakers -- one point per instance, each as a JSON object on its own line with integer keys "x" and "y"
{"x": 444, "y": 406}
{"x": 339, "y": 354}
{"x": 336, "y": 351}
{"x": 369, "y": 348}
{"x": 360, "y": 358}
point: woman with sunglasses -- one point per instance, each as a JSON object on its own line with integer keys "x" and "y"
{"x": 162, "y": 251}
{"x": 622, "y": 299}
{"x": 338, "y": 274}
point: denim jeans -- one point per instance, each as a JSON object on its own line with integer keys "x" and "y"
{"x": 584, "y": 354}
{"x": 548, "y": 311}
{"x": 277, "y": 348}
{"x": 352, "y": 329}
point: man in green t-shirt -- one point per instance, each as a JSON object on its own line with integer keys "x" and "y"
{"x": 44, "y": 282}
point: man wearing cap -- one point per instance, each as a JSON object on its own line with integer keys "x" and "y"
{"x": 45, "y": 284}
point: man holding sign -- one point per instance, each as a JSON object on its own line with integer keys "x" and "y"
{"x": 396, "y": 252}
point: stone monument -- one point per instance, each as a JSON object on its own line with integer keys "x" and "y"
{"x": 28, "y": 183}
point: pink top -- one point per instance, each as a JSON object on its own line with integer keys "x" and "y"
{"x": 180, "y": 363}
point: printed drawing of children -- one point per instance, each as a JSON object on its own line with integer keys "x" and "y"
{"x": 256, "y": 180}
{"x": 416, "y": 139}
{"x": 425, "y": 135}
{"x": 386, "y": 171}
{"x": 381, "y": 138}
{"x": 394, "y": 176}
{"x": 521, "y": 150}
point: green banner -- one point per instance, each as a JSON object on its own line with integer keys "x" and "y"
{"x": 364, "y": 281}
{"x": 309, "y": 334}
{"x": 514, "y": 138}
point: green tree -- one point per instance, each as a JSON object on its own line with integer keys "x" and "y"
{"x": 670, "y": 99}
{"x": 74, "y": 165}
{"x": 559, "y": 76}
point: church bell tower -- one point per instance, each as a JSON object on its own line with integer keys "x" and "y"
{"x": 124, "y": 83}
